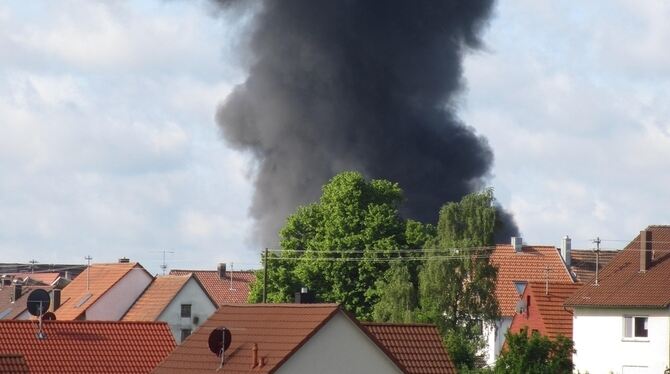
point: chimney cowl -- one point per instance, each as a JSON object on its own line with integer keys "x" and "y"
{"x": 124, "y": 260}
{"x": 517, "y": 243}
{"x": 222, "y": 270}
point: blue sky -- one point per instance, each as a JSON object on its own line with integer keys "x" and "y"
{"x": 108, "y": 144}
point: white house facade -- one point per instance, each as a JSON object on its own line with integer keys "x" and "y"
{"x": 190, "y": 307}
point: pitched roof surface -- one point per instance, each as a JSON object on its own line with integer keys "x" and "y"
{"x": 100, "y": 278}
{"x": 13, "y": 363}
{"x": 88, "y": 346}
{"x": 156, "y": 298}
{"x": 552, "y": 318}
{"x": 621, "y": 284}
{"x": 532, "y": 263}
{"x": 45, "y": 278}
{"x": 417, "y": 347}
{"x": 11, "y": 309}
{"x": 583, "y": 263}
{"x": 222, "y": 290}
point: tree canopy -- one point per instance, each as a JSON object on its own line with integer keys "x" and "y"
{"x": 535, "y": 353}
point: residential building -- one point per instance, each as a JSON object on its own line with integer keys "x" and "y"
{"x": 517, "y": 265}
{"x": 300, "y": 338}
{"x": 103, "y": 292}
{"x": 86, "y": 347}
{"x": 223, "y": 285}
{"x": 179, "y": 300}
{"x": 14, "y": 294}
{"x": 541, "y": 309}
{"x": 582, "y": 262}
{"x": 621, "y": 324}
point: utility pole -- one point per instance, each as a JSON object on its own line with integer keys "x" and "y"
{"x": 597, "y": 241}
{"x": 265, "y": 278}
{"x": 164, "y": 265}
{"x": 88, "y": 270}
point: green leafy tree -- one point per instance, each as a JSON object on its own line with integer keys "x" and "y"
{"x": 334, "y": 246}
{"x": 535, "y": 353}
{"x": 457, "y": 282}
{"x": 397, "y": 299}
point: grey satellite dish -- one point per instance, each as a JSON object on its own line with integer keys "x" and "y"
{"x": 38, "y": 302}
{"x": 219, "y": 340}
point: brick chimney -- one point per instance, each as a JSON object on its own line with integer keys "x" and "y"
{"x": 645, "y": 250}
{"x": 222, "y": 270}
{"x": 566, "y": 249}
{"x": 517, "y": 243}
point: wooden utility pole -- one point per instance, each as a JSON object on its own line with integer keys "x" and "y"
{"x": 265, "y": 277}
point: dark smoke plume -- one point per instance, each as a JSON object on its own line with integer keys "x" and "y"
{"x": 357, "y": 85}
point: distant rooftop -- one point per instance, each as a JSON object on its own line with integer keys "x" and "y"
{"x": 232, "y": 288}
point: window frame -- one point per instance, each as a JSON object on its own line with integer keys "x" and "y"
{"x": 633, "y": 330}
{"x": 185, "y": 333}
{"x": 190, "y": 310}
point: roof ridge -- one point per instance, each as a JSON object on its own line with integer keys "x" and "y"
{"x": 84, "y": 322}
{"x": 281, "y": 305}
{"x": 365, "y": 323}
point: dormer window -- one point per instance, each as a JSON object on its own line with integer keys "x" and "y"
{"x": 520, "y": 286}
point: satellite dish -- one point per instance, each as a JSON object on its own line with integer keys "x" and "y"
{"x": 38, "y": 302}
{"x": 219, "y": 340}
{"x": 49, "y": 316}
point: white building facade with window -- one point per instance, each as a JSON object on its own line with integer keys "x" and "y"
{"x": 621, "y": 341}
{"x": 189, "y": 308}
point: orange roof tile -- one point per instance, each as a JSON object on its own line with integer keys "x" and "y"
{"x": 222, "y": 290}
{"x": 100, "y": 278}
{"x": 13, "y": 363}
{"x": 417, "y": 347}
{"x": 532, "y": 263}
{"x": 88, "y": 346}
{"x": 10, "y": 310}
{"x": 156, "y": 298}
{"x": 552, "y": 318}
{"x": 44, "y": 278}
{"x": 621, "y": 284}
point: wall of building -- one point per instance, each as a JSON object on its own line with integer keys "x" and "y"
{"x": 530, "y": 318}
{"x": 339, "y": 347}
{"x": 494, "y": 336}
{"x": 116, "y": 301}
{"x": 601, "y": 347}
{"x": 201, "y": 307}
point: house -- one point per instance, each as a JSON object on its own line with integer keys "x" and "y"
{"x": 103, "y": 292}
{"x": 582, "y": 262}
{"x": 85, "y": 346}
{"x": 541, "y": 309}
{"x": 222, "y": 285}
{"x": 304, "y": 338}
{"x": 179, "y": 300}
{"x": 622, "y": 324}
{"x": 517, "y": 265}
{"x": 14, "y": 294}
{"x": 13, "y": 363}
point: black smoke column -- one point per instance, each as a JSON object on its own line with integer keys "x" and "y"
{"x": 357, "y": 85}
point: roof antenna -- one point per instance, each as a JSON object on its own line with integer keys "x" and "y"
{"x": 546, "y": 279}
{"x": 88, "y": 258}
{"x": 164, "y": 265}
{"x": 597, "y": 250}
{"x": 32, "y": 265}
{"x": 231, "y": 277}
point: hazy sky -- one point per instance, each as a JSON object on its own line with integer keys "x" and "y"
{"x": 108, "y": 144}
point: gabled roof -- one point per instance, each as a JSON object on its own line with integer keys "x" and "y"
{"x": 47, "y": 278}
{"x": 552, "y": 319}
{"x": 13, "y": 363}
{"x": 222, "y": 290}
{"x": 279, "y": 330}
{"x": 583, "y": 263}
{"x": 417, "y": 347}
{"x": 621, "y": 284}
{"x": 532, "y": 263}
{"x": 89, "y": 286}
{"x": 11, "y": 309}
{"x": 158, "y": 296}
{"x": 88, "y": 346}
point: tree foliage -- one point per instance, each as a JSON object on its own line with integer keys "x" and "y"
{"x": 333, "y": 246}
{"x": 535, "y": 353}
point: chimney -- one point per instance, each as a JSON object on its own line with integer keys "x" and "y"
{"x": 124, "y": 260}
{"x": 222, "y": 270}
{"x": 645, "y": 250}
{"x": 566, "y": 249}
{"x": 517, "y": 243}
{"x": 55, "y": 299}
{"x": 18, "y": 285}
{"x": 304, "y": 296}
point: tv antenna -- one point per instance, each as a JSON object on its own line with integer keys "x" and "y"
{"x": 597, "y": 250}
{"x": 164, "y": 265}
{"x": 32, "y": 264}
{"x": 38, "y": 305}
{"x": 88, "y": 258}
{"x": 219, "y": 340}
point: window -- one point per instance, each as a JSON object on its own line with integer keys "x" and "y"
{"x": 635, "y": 327}
{"x": 185, "y": 310}
{"x": 185, "y": 333}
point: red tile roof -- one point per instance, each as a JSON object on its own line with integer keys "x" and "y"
{"x": 621, "y": 284}
{"x": 279, "y": 330}
{"x": 583, "y": 263}
{"x": 222, "y": 290}
{"x": 100, "y": 278}
{"x": 13, "y": 363}
{"x": 532, "y": 263}
{"x": 88, "y": 346}
{"x": 547, "y": 314}
{"x": 11, "y": 309}
{"x": 417, "y": 347}
{"x": 44, "y": 278}
{"x": 156, "y": 298}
